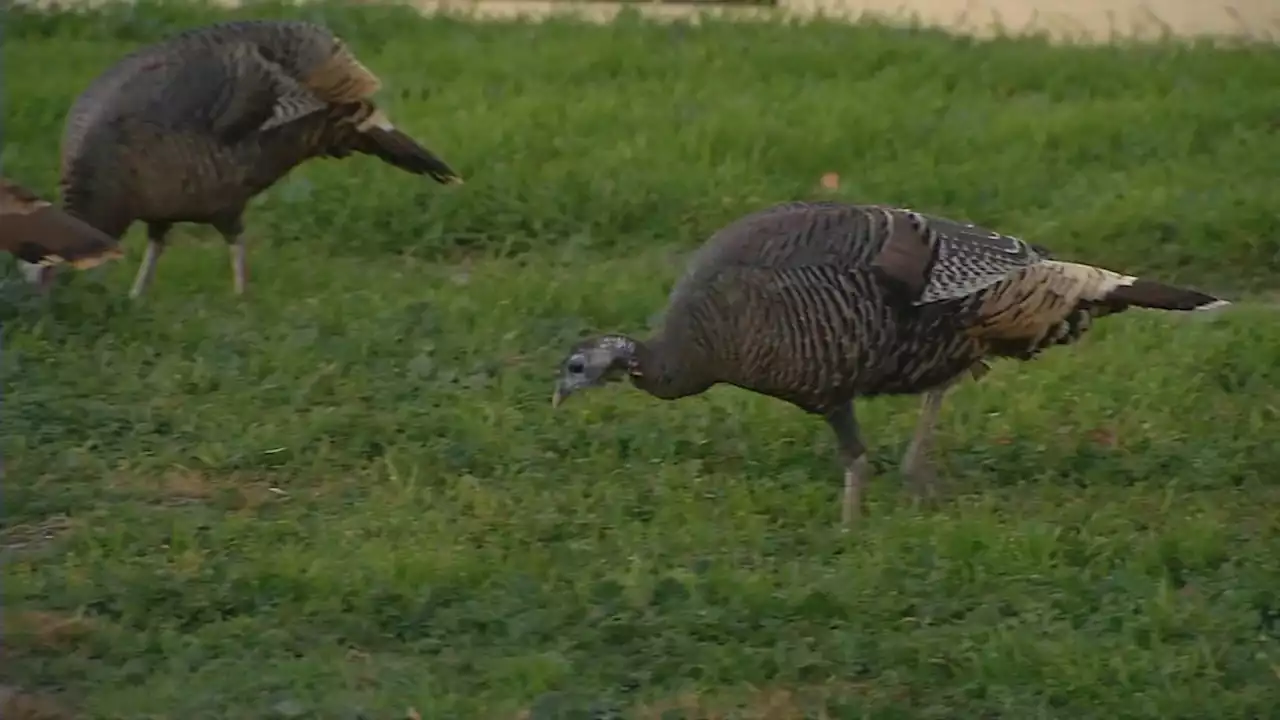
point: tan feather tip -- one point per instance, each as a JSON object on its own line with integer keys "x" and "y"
{"x": 18, "y": 200}
{"x": 343, "y": 78}
{"x": 28, "y": 207}
{"x": 1215, "y": 305}
{"x": 95, "y": 260}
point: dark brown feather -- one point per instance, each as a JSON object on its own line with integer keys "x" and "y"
{"x": 36, "y": 232}
{"x": 904, "y": 259}
{"x": 1157, "y": 295}
{"x": 402, "y": 151}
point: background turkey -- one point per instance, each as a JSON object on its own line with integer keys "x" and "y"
{"x": 41, "y": 235}
{"x": 192, "y": 128}
{"x": 817, "y": 304}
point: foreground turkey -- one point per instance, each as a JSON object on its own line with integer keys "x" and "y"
{"x": 41, "y": 235}
{"x": 818, "y": 304}
{"x": 192, "y": 128}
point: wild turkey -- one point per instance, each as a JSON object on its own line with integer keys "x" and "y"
{"x": 190, "y": 129}
{"x": 820, "y": 303}
{"x": 41, "y": 235}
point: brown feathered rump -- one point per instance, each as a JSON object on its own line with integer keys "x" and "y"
{"x": 342, "y": 81}
{"x": 192, "y": 128}
{"x": 339, "y": 77}
{"x": 36, "y": 232}
{"x": 1054, "y": 302}
{"x": 1003, "y": 290}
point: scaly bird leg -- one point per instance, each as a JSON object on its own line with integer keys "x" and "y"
{"x": 232, "y": 229}
{"x": 238, "y": 269}
{"x": 853, "y": 455}
{"x": 916, "y": 465}
{"x": 155, "y": 248}
{"x": 45, "y": 281}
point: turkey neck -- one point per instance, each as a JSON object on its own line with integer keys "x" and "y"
{"x": 656, "y": 368}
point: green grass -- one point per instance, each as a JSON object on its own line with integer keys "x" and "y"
{"x": 348, "y": 489}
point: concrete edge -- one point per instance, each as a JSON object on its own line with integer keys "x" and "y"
{"x": 1104, "y": 22}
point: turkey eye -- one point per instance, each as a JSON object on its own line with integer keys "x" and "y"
{"x": 576, "y": 367}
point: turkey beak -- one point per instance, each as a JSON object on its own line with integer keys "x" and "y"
{"x": 564, "y": 388}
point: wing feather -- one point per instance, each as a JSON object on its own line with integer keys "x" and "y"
{"x": 969, "y": 258}
{"x": 230, "y": 89}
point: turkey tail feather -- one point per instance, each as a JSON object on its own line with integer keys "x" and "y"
{"x": 1106, "y": 287}
{"x": 1157, "y": 295}
{"x": 402, "y": 151}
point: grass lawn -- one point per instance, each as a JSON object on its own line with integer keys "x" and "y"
{"x": 348, "y": 490}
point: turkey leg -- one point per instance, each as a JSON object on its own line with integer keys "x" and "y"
{"x": 853, "y": 455}
{"x": 238, "y": 271}
{"x": 916, "y": 465}
{"x": 232, "y": 229}
{"x": 156, "y": 233}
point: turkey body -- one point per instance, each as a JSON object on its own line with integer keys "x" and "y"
{"x": 798, "y": 312}
{"x": 192, "y": 128}
{"x": 820, "y": 303}
{"x": 41, "y": 235}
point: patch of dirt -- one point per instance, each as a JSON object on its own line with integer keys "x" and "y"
{"x": 181, "y": 486}
{"x": 17, "y": 704}
{"x": 28, "y": 537}
{"x": 771, "y": 702}
{"x": 753, "y": 703}
{"x": 45, "y": 630}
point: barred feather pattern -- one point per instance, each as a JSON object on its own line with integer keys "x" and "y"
{"x": 790, "y": 302}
